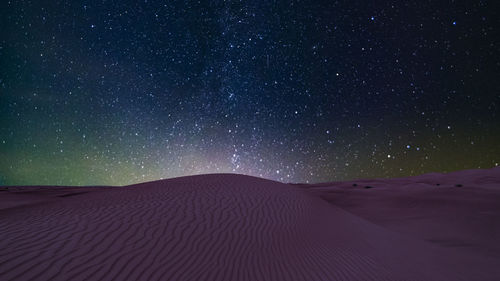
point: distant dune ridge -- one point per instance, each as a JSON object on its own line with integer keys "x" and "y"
{"x": 235, "y": 227}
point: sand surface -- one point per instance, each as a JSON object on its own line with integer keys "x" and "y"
{"x": 234, "y": 227}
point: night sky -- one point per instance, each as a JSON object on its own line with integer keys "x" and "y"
{"x": 119, "y": 92}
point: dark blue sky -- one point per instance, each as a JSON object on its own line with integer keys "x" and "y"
{"x": 116, "y": 92}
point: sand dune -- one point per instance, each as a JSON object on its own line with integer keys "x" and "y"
{"x": 234, "y": 227}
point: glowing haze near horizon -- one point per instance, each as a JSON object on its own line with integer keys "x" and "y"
{"x": 118, "y": 92}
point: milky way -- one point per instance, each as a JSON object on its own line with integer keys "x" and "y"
{"x": 118, "y": 92}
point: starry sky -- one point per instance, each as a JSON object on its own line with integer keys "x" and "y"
{"x": 118, "y": 92}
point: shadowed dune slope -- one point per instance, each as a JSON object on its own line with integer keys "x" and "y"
{"x": 230, "y": 227}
